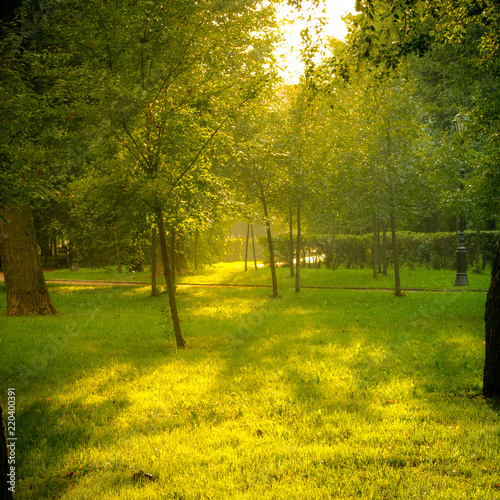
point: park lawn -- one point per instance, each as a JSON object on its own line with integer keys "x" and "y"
{"x": 318, "y": 395}
{"x": 234, "y": 273}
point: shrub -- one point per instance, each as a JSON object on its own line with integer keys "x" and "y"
{"x": 432, "y": 250}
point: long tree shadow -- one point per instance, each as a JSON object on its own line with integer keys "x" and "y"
{"x": 296, "y": 365}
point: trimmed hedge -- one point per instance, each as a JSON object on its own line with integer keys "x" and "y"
{"x": 432, "y": 250}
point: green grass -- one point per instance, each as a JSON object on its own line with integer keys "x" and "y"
{"x": 104, "y": 274}
{"x": 320, "y": 395}
{"x": 234, "y": 273}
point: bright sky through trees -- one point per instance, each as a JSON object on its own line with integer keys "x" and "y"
{"x": 293, "y": 22}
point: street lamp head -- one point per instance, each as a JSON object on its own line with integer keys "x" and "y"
{"x": 460, "y": 122}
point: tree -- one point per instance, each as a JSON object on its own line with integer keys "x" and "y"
{"x": 491, "y": 376}
{"x": 257, "y": 157}
{"x": 23, "y": 164}
{"x": 385, "y": 32}
{"x": 154, "y": 84}
{"x": 24, "y": 282}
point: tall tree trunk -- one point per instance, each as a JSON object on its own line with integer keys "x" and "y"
{"x": 167, "y": 270}
{"x": 334, "y": 244}
{"x": 384, "y": 250}
{"x": 270, "y": 244}
{"x": 291, "y": 249}
{"x": 395, "y": 254}
{"x": 24, "y": 282}
{"x": 374, "y": 247}
{"x": 253, "y": 249}
{"x": 5, "y": 493}
{"x": 491, "y": 376}
{"x": 299, "y": 244}
{"x": 154, "y": 286}
{"x": 379, "y": 260}
{"x": 246, "y": 246}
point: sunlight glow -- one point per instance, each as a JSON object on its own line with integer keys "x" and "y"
{"x": 293, "y": 22}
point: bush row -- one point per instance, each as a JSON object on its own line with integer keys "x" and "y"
{"x": 432, "y": 250}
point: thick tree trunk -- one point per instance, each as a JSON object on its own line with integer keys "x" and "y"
{"x": 169, "y": 281}
{"x": 24, "y": 282}
{"x": 299, "y": 244}
{"x": 491, "y": 377}
{"x": 270, "y": 245}
{"x": 397, "y": 279}
{"x": 253, "y": 248}
{"x": 5, "y": 493}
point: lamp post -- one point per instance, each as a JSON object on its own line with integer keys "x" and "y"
{"x": 461, "y": 278}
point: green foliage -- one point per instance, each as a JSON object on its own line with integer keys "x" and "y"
{"x": 213, "y": 244}
{"x": 431, "y": 250}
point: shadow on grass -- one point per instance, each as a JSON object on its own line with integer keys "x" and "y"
{"x": 290, "y": 368}
{"x": 416, "y": 357}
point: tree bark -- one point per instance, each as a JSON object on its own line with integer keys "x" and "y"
{"x": 5, "y": 493}
{"x": 299, "y": 244}
{"x": 270, "y": 245}
{"x": 491, "y": 376}
{"x": 395, "y": 254}
{"x": 24, "y": 282}
{"x": 169, "y": 281}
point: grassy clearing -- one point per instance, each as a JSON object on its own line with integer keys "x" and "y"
{"x": 326, "y": 394}
{"x": 233, "y": 273}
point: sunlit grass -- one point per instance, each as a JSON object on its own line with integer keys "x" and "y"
{"x": 234, "y": 273}
{"x": 318, "y": 395}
